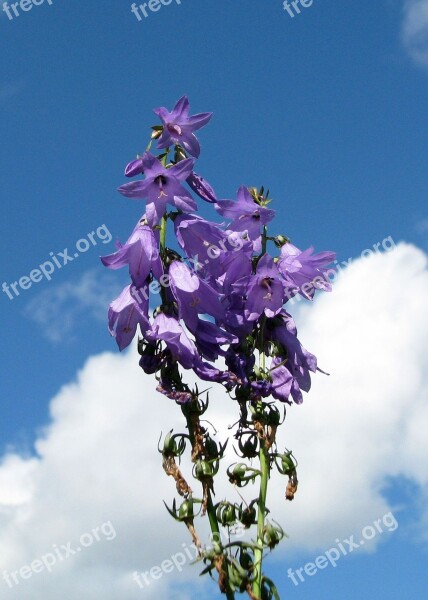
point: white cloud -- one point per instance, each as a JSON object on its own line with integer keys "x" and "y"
{"x": 97, "y": 460}
{"x": 415, "y": 30}
{"x": 59, "y": 308}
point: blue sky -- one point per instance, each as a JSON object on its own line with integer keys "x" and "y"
{"x": 327, "y": 109}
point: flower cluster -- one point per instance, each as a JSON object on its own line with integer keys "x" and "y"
{"x": 220, "y": 293}
{"x": 212, "y": 298}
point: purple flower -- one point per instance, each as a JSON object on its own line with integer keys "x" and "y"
{"x": 240, "y": 363}
{"x": 265, "y": 292}
{"x": 245, "y": 213}
{"x": 261, "y": 388}
{"x": 193, "y": 295}
{"x": 208, "y": 373}
{"x": 294, "y": 373}
{"x": 161, "y": 186}
{"x": 150, "y": 362}
{"x": 125, "y": 313}
{"x": 201, "y": 187}
{"x": 178, "y": 127}
{"x": 141, "y": 254}
{"x": 304, "y": 272}
{"x": 282, "y": 382}
{"x": 169, "y": 330}
{"x": 234, "y": 286}
{"x": 135, "y": 167}
{"x": 202, "y": 241}
{"x": 209, "y": 338}
{"x": 183, "y": 350}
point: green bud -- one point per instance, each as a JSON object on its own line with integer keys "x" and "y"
{"x": 185, "y": 511}
{"x": 288, "y": 464}
{"x": 203, "y": 470}
{"x": 272, "y": 536}
{"x": 226, "y": 514}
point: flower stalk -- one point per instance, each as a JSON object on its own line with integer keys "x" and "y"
{"x": 261, "y": 518}
{"x": 225, "y": 299}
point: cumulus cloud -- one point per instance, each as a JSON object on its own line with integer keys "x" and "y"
{"x": 357, "y": 430}
{"x": 415, "y": 30}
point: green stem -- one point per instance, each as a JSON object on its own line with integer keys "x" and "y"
{"x": 212, "y": 517}
{"x": 258, "y": 553}
{"x": 163, "y": 234}
{"x": 215, "y": 530}
{"x": 162, "y": 253}
{"x": 264, "y": 240}
{"x": 262, "y": 358}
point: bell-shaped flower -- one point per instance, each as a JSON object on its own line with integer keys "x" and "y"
{"x": 283, "y": 384}
{"x": 203, "y": 242}
{"x": 299, "y": 362}
{"x": 265, "y": 292}
{"x": 125, "y": 313}
{"x": 209, "y": 338}
{"x": 201, "y": 187}
{"x": 161, "y": 186}
{"x": 304, "y": 272}
{"x": 240, "y": 363}
{"x": 167, "y": 329}
{"x": 246, "y": 214}
{"x": 194, "y": 297}
{"x": 178, "y": 127}
{"x": 140, "y": 253}
{"x": 135, "y": 167}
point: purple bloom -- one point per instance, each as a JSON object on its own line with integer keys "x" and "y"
{"x": 208, "y": 373}
{"x": 295, "y": 372}
{"x": 161, "y": 186}
{"x": 201, "y": 241}
{"x": 150, "y": 361}
{"x": 265, "y": 293}
{"x": 261, "y": 388}
{"x": 193, "y": 295}
{"x": 282, "y": 381}
{"x": 178, "y": 127}
{"x": 234, "y": 286}
{"x": 245, "y": 213}
{"x": 201, "y": 187}
{"x": 209, "y": 338}
{"x": 303, "y": 272}
{"x": 240, "y": 363}
{"x": 169, "y": 330}
{"x": 141, "y": 254}
{"x": 135, "y": 167}
{"x": 125, "y": 313}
